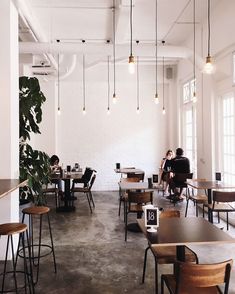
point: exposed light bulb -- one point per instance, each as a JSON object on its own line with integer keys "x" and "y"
{"x": 138, "y": 110}
{"x": 58, "y": 111}
{"x": 194, "y": 97}
{"x": 108, "y": 111}
{"x": 114, "y": 98}
{"x": 84, "y": 111}
{"x": 131, "y": 64}
{"x": 156, "y": 99}
{"x": 208, "y": 67}
{"x": 163, "y": 110}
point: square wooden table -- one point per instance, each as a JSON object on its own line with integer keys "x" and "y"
{"x": 209, "y": 186}
{"x": 185, "y": 231}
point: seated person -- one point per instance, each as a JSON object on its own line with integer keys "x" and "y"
{"x": 55, "y": 167}
{"x": 179, "y": 165}
{"x": 165, "y": 168}
{"x": 85, "y": 179}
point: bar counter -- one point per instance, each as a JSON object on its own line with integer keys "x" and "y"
{"x": 9, "y": 185}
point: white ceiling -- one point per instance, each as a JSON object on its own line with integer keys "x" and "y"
{"x": 72, "y": 21}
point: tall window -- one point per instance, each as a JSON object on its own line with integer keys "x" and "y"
{"x": 228, "y": 137}
{"x": 189, "y": 125}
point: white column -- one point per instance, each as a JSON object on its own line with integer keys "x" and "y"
{"x": 9, "y": 109}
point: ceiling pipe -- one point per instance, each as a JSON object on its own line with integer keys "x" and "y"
{"x": 30, "y": 20}
{"x": 102, "y": 49}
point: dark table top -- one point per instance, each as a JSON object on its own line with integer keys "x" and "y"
{"x": 185, "y": 231}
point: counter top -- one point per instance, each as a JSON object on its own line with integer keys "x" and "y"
{"x": 9, "y": 185}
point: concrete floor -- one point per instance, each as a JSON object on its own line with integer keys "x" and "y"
{"x": 92, "y": 256}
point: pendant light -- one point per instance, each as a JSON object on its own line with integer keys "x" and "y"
{"x": 208, "y": 68}
{"x": 156, "y": 98}
{"x": 108, "y": 92}
{"x": 138, "y": 88}
{"x": 131, "y": 57}
{"x": 194, "y": 52}
{"x": 163, "y": 82}
{"x": 58, "y": 84}
{"x": 84, "y": 86}
{"x": 114, "y": 54}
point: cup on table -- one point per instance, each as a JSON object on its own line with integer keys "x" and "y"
{"x": 118, "y": 165}
{"x": 150, "y": 183}
{"x": 68, "y": 169}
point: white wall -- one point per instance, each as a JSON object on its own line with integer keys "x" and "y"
{"x": 100, "y": 140}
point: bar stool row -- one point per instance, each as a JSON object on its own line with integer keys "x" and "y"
{"x": 24, "y": 275}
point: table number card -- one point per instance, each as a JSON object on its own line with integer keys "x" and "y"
{"x": 151, "y": 217}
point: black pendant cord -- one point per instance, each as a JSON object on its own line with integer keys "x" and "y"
{"x": 108, "y": 86}
{"x": 138, "y": 85}
{"x": 84, "y": 85}
{"x": 131, "y": 28}
{"x": 209, "y": 27}
{"x": 58, "y": 80}
{"x": 163, "y": 82}
{"x": 156, "y": 48}
{"x": 114, "y": 50}
{"x": 194, "y": 43}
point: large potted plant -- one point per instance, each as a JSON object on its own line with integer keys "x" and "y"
{"x": 34, "y": 164}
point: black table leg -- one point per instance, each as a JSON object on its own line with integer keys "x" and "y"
{"x": 180, "y": 251}
{"x": 68, "y": 200}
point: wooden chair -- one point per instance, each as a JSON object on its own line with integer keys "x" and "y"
{"x": 86, "y": 190}
{"x": 198, "y": 278}
{"x": 166, "y": 254}
{"x": 54, "y": 190}
{"x": 222, "y": 201}
{"x": 196, "y": 199}
{"x": 134, "y": 204}
{"x": 123, "y": 195}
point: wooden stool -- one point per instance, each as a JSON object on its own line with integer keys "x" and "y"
{"x": 9, "y": 229}
{"x": 36, "y": 256}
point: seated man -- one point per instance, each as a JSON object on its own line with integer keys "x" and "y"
{"x": 179, "y": 165}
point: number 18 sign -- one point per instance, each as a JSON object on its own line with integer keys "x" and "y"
{"x": 151, "y": 217}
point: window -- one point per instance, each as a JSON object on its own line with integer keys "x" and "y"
{"x": 228, "y": 137}
{"x": 189, "y": 125}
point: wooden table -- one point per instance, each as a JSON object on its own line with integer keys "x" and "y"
{"x": 209, "y": 186}
{"x": 9, "y": 185}
{"x": 185, "y": 231}
{"x": 128, "y": 171}
{"x": 68, "y": 199}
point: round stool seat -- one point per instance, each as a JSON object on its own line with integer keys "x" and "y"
{"x": 38, "y": 210}
{"x": 12, "y": 228}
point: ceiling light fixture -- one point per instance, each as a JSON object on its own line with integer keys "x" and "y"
{"x": 138, "y": 88}
{"x": 156, "y": 98}
{"x": 114, "y": 54}
{"x": 208, "y": 68}
{"x": 108, "y": 107}
{"x": 131, "y": 57}
{"x": 163, "y": 82}
{"x": 58, "y": 84}
{"x": 84, "y": 86}
{"x": 194, "y": 52}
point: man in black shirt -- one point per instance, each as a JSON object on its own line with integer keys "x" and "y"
{"x": 179, "y": 165}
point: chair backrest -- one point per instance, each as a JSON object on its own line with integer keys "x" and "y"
{"x": 178, "y": 177}
{"x": 202, "y": 275}
{"x": 92, "y": 181}
{"x": 223, "y": 196}
{"x": 139, "y": 176}
{"x": 140, "y": 197}
{"x": 87, "y": 174}
{"x": 169, "y": 213}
